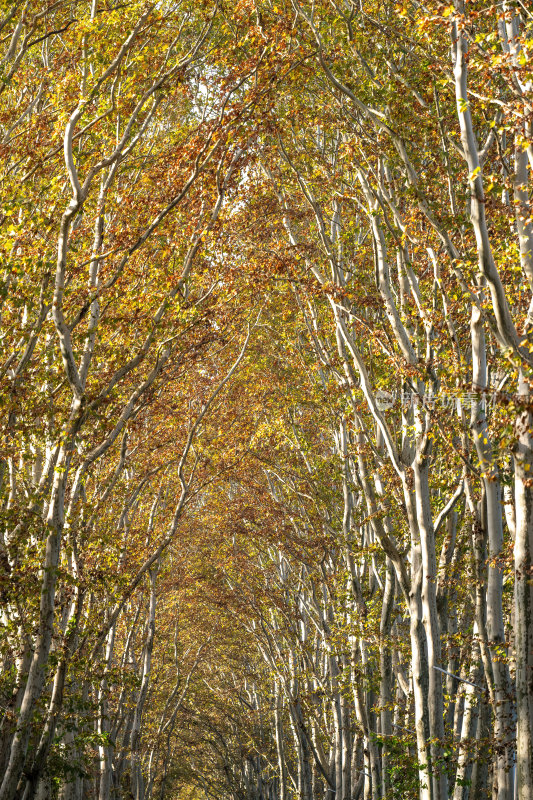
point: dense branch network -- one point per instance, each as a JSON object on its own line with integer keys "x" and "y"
{"x": 266, "y": 352}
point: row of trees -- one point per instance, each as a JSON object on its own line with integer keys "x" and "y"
{"x": 267, "y": 460}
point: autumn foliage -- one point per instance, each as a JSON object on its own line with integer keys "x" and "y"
{"x": 266, "y": 364}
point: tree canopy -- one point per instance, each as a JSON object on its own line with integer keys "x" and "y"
{"x": 266, "y": 359}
